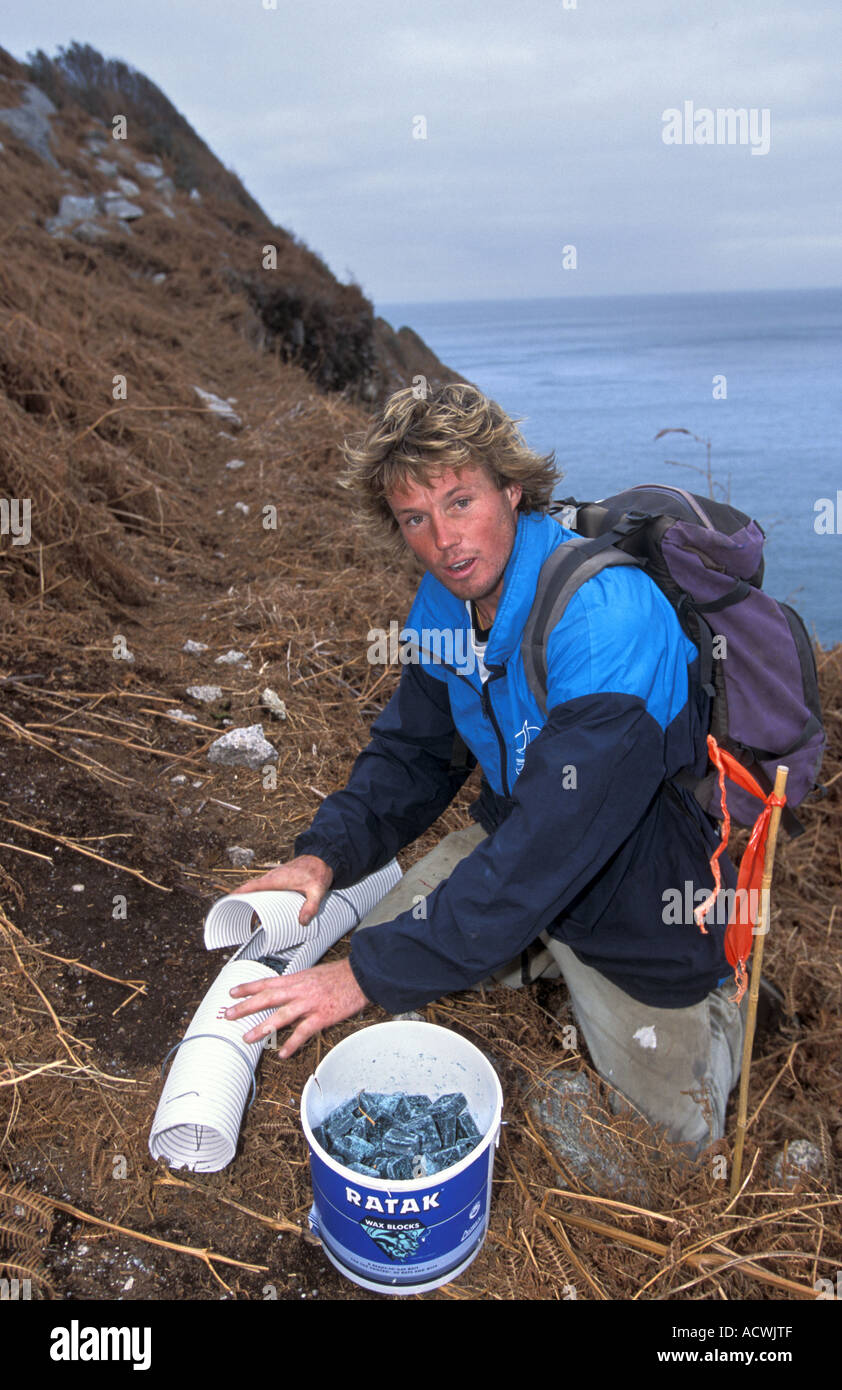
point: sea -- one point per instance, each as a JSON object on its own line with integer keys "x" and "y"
{"x": 751, "y": 379}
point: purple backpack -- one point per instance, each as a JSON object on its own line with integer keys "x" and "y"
{"x": 756, "y": 660}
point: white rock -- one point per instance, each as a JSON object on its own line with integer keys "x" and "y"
{"x": 149, "y": 170}
{"x": 159, "y": 278}
{"x": 179, "y": 779}
{"x": 115, "y": 205}
{"x": 243, "y": 748}
{"x": 240, "y": 857}
{"x": 90, "y": 233}
{"x": 167, "y": 211}
{"x": 242, "y": 507}
{"x": 799, "y": 1160}
{"x": 107, "y": 167}
{"x": 30, "y": 121}
{"x": 128, "y": 187}
{"x": 165, "y": 186}
{"x": 194, "y": 647}
{"x": 218, "y": 406}
{"x": 232, "y": 658}
{"x": 206, "y": 694}
{"x": 234, "y": 464}
{"x": 71, "y": 210}
{"x": 273, "y": 702}
{"x": 195, "y": 195}
{"x": 180, "y": 714}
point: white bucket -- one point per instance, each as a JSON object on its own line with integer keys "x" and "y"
{"x": 403, "y": 1237}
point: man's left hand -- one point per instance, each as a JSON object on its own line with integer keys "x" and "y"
{"x": 314, "y": 999}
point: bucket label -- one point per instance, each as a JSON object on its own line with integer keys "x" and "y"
{"x": 399, "y": 1240}
{"x": 405, "y": 1234}
{"x": 394, "y": 1206}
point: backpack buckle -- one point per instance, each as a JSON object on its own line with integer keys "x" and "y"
{"x": 631, "y": 521}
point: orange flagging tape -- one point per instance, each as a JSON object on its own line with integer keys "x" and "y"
{"x": 739, "y": 934}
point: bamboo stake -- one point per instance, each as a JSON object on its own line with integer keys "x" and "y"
{"x": 756, "y": 964}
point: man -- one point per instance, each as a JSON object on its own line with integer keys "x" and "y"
{"x": 580, "y": 831}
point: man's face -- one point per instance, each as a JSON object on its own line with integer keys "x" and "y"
{"x": 462, "y": 529}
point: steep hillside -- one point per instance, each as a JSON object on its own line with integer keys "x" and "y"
{"x": 130, "y": 278}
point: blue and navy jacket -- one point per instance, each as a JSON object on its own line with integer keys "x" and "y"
{"x": 587, "y": 837}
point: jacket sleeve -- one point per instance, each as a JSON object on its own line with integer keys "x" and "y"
{"x": 587, "y": 781}
{"x": 399, "y": 784}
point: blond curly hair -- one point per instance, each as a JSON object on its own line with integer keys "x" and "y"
{"x": 415, "y": 438}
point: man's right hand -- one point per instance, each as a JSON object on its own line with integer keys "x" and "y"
{"x": 306, "y": 874}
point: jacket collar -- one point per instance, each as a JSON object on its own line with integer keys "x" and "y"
{"x": 537, "y": 536}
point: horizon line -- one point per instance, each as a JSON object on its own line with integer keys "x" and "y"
{"x": 621, "y": 294}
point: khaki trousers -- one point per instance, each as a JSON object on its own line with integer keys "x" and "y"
{"x": 676, "y": 1066}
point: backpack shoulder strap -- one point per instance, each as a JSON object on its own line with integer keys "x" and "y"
{"x": 562, "y": 574}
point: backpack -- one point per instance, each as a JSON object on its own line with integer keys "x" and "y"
{"x": 756, "y": 661}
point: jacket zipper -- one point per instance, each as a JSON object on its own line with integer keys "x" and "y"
{"x": 488, "y": 710}
{"x": 495, "y": 673}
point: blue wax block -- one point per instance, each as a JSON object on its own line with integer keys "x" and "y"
{"x": 397, "y": 1168}
{"x": 403, "y": 1110}
{"x": 321, "y": 1137}
{"x": 466, "y": 1127}
{"x": 451, "y": 1104}
{"x": 349, "y": 1149}
{"x": 464, "y": 1147}
{"x": 364, "y": 1170}
{"x": 429, "y": 1139}
{"x": 419, "y": 1105}
{"x": 446, "y": 1125}
{"x": 399, "y": 1140}
{"x": 340, "y": 1120}
{"x": 438, "y": 1161}
{"x": 445, "y": 1158}
{"x": 362, "y": 1129}
{"x": 376, "y": 1103}
{"x": 368, "y": 1109}
{"x": 382, "y": 1125}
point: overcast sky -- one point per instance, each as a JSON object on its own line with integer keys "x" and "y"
{"x": 544, "y": 130}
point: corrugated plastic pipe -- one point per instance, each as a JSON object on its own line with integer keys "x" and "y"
{"x": 197, "y": 1122}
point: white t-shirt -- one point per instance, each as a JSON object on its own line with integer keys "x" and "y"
{"x": 478, "y": 648}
